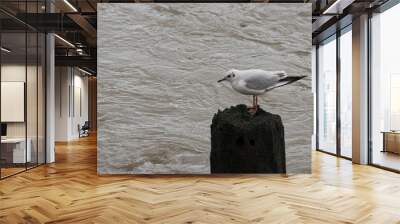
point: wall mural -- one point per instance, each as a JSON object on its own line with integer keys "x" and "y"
{"x": 204, "y": 88}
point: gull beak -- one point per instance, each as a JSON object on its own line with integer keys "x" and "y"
{"x": 221, "y": 80}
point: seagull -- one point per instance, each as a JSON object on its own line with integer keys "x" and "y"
{"x": 256, "y": 82}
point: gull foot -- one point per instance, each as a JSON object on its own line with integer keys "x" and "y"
{"x": 252, "y": 110}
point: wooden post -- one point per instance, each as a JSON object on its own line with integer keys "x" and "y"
{"x": 245, "y": 143}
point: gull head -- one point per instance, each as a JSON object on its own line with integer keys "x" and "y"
{"x": 230, "y": 76}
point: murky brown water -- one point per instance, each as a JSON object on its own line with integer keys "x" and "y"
{"x": 157, "y": 70}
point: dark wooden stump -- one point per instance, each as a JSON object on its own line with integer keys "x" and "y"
{"x": 245, "y": 143}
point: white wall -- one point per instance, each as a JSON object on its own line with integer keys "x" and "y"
{"x": 17, "y": 73}
{"x": 79, "y": 115}
{"x": 70, "y": 83}
{"x": 33, "y": 126}
{"x": 12, "y": 73}
{"x": 62, "y": 81}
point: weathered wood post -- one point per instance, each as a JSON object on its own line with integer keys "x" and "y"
{"x": 246, "y": 143}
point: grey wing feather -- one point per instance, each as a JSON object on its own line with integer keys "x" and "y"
{"x": 262, "y": 81}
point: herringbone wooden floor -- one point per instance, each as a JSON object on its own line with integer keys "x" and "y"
{"x": 70, "y": 191}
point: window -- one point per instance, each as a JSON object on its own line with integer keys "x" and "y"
{"x": 22, "y": 101}
{"x": 327, "y": 96}
{"x": 385, "y": 89}
{"x": 346, "y": 75}
{"x": 334, "y": 138}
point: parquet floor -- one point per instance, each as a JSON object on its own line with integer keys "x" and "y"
{"x": 10, "y": 171}
{"x": 70, "y": 191}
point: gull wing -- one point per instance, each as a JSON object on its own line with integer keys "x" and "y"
{"x": 262, "y": 80}
{"x": 285, "y": 81}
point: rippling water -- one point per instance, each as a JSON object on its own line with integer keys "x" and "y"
{"x": 157, "y": 70}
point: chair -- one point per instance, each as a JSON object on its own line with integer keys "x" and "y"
{"x": 84, "y": 130}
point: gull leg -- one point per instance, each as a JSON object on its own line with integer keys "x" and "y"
{"x": 253, "y": 109}
{"x": 250, "y": 107}
{"x": 256, "y": 106}
{"x": 256, "y": 101}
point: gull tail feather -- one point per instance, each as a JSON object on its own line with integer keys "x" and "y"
{"x": 285, "y": 81}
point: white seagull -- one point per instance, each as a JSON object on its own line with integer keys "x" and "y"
{"x": 257, "y": 82}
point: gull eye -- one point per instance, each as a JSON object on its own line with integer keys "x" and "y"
{"x": 229, "y": 76}
{"x": 233, "y": 75}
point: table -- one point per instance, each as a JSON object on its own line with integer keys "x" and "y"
{"x": 16, "y": 147}
{"x": 391, "y": 141}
